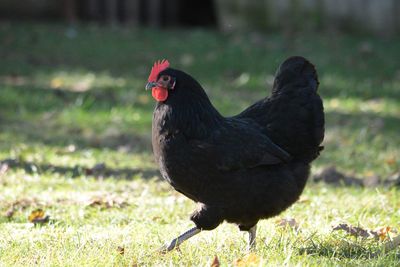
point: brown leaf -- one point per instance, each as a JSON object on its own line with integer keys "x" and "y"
{"x": 37, "y": 217}
{"x": 121, "y": 250}
{"x": 248, "y": 260}
{"x": 379, "y": 233}
{"x": 352, "y": 230}
{"x": 95, "y": 202}
{"x": 215, "y": 262}
{"x": 390, "y": 161}
{"x": 287, "y": 222}
{"x": 383, "y": 232}
{"x": 108, "y": 201}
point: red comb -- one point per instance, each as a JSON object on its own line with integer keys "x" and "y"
{"x": 158, "y": 67}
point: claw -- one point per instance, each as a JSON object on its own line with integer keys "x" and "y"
{"x": 168, "y": 246}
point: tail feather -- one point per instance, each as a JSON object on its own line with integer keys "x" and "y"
{"x": 296, "y": 113}
{"x": 293, "y": 116}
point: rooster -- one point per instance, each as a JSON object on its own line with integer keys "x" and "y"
{"x": 243, "y": 168}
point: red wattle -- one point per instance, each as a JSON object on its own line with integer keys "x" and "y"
{"x": 160, "y": 94}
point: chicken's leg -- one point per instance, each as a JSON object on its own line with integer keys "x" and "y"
{"x": 180, "y": 239}
{"x": 252, "y": 238}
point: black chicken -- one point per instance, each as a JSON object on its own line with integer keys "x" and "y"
{"x": 239, "y": 169}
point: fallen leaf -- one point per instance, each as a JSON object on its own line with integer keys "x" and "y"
{"x": 95, "y": 202}
{"x": 108, "y": 201}
{"x": 121, "y": 250}
{"x": 353, "y": 230}
{"x": 215, "y": 262}
{"x": 287, "y": 222}
{"x": 383, "y": 232}
{"x": 248, "y": 260}
{"x": 37, "y": 216}
{"x": 390, "y": 161}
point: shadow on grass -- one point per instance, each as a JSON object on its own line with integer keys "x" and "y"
{"x": 97, "y": 171}
{"x": 346, "y": 249}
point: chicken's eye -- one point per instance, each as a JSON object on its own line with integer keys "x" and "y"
{"x": 165, "y": 78}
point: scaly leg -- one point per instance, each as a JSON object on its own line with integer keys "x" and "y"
{"x": 252, "y": 238}
{"x": 180, "y": 239}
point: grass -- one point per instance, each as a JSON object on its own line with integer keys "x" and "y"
{"x": 75, "y": 127}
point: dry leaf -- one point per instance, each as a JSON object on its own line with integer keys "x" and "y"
{"x": 215, "y": 262}
{"x": 109, "y": 201}
{"x": 383, "y": 232}
{"x": 380, "y": 233}
{"x": 121, "y": 250}
{"x": 37, "y": 216}
{"x": 248, "y": 260}
{"x": 390, "y": 161}
{"x": 353, "y": 230}
{"x": 95, "y": 202}
{"x": 287, "y": 222}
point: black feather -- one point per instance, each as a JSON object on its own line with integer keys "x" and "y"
{"x": 247, "y": 167}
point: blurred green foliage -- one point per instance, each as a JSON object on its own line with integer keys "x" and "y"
{"x": 84, "y": 86}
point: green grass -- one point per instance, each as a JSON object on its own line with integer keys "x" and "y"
{"x": 69, "y": 104}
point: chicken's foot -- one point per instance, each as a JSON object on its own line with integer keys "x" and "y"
{"x": 179, "y": 240}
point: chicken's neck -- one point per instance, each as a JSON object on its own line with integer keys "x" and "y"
{"x": 195, "y": 117}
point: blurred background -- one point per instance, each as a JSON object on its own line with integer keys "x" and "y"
{"x": 368, "y": 16}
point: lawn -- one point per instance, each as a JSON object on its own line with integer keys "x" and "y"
{"x": 75, "y": 127}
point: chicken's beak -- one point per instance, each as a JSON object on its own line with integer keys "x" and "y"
{"x": 150, "y": 85}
